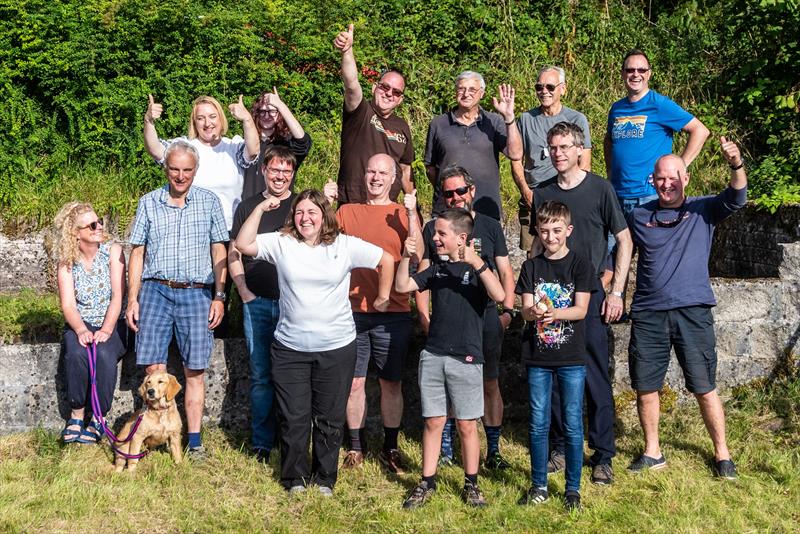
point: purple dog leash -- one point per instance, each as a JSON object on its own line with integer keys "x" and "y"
{"x": 91, "y": 351}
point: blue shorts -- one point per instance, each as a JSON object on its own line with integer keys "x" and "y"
{"x": 164, "y": 311}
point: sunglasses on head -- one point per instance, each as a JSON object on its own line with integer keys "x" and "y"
{"x": 542, "y": 86}
{"x": 92, "y": 225}
{"x": 386, "y": 88}
{"x": 460, "y": 191}
{"x": 637, "y": 70}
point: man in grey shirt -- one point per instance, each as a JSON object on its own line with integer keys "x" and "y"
{"x": 536, "y": 166}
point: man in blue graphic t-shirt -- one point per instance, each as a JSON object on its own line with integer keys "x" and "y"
{"x": 640, "y": 130}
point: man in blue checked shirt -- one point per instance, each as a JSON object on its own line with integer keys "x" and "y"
{"x": 178, "y": 259}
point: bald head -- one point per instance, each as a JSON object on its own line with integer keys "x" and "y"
{"x": 670, "y": 161}
{"x": 380, "y": 175}
{"x": 670, "y": 179}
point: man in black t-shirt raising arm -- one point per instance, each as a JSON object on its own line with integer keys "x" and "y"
{"x": 595, "y": 212}
{"x": 257, "y": 283}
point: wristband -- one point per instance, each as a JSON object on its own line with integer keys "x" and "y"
{"x": 511, "y": 311}
{"x": 510, "y": 123}
{"x": 479, "y": 271}
{"x": 737, "y": 167}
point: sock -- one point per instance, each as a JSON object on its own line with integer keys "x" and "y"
{"x": 355, "y": 438}
{"x": 431, "y": 481}
{"x": 492, "y": 440}
{"x": 194, "y": 440}
{"x": 470, "y": 479}
{"x": 448, "y": 436}
{"x": 390, "y": 437}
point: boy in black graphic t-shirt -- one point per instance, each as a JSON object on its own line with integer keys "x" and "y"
{"x": 555, "y": 288}
{"x": 450, "y": 366}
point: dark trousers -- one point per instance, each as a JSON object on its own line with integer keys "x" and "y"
{"x": 76, "y": 367}
{"x": 311, "y": 391}
{"x": 599, "y": 397}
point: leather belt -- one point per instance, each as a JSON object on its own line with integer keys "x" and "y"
{"x": 179, "y": 285}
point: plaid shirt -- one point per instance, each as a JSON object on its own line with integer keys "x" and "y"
{"x": 178, "y": 240}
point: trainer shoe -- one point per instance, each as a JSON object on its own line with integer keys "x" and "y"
{"x": 556, "y": 462}
{"x": 647, "y": 463}
{"x": 603, "y": 474}
{"x": 726, "y": 469}
{"x": 197, "y": 454}
{"x": 572, "y": 501}
{"x": 392, "y": 461}
{"x": 418, "y": 496}
{"x": 534, "y": 495}
{"x": 294, "y": 491}
{"x": 353, "y": 459}
{"x": 495, "y": 461}
{"x": 471, "y": 494}
{"x": 326, "y": 491}
{"x": 261, "y": 455}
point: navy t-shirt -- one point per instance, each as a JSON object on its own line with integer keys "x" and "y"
{"x": 459, "y": 299}
{"x": 561, "y": 342}
{"x": 674, "y": 245}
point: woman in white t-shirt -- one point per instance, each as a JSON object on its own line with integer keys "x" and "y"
{"x": 222, "y": 159}
{"x": 314, "y": 352}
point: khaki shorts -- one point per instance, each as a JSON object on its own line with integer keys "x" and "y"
{"x": 525, "y": 237}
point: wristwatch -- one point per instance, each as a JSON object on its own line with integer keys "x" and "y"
{"x": 220, "y": 295}
{"x": 511, "y": 311}
{"x": 616, "y": 293}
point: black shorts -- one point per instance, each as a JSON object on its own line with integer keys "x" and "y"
{"x": 492, "y": 343}
{"x": 690, "y": 331}
{"x": 385, "y": 338}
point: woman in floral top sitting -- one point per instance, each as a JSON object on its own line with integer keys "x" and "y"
{"x": 91, "y": 287}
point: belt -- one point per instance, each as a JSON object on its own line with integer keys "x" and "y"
{"x": 179, "y": 285}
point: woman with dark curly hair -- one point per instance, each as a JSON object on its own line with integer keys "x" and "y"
{"x": 91, "y": 288}
{"x": 314, "y": 351}
{"x": 276, "y": 125}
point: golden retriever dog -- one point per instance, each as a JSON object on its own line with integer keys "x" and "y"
{"x": 161, "y": 422}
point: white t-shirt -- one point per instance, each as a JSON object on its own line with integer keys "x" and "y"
{"x": 220, "y": 171}
{"x": 315, "y": 284}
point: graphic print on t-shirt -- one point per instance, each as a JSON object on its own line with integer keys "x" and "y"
{"x": 553, "y": 335}
{"x": 629, "y": 127}
{"x": 390, "y": 135}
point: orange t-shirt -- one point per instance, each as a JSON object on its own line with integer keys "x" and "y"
{"x": 387, "y": 227}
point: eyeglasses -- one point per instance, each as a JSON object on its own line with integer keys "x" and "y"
{"x": 549, "y": 86}
{"x": 460, "y": 191}
{"x": 560, "y": 148}
{"x": 281, "y": 172}
{"x": 92, "y": 225}
{"x": 467, "y": 90}
{"x": 386, "y": 88}
{"x": 270, "y": 112}
{"x": 637, "y": 70}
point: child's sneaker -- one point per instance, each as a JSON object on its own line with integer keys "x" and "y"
{"x": 534, "y": 496}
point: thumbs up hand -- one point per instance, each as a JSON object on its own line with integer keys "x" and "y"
{"x": 730, "y": 152}
{"x": 344, "y": 40}
{"x": 154, "y": 110}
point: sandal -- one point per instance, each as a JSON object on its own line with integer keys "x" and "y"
{"x": 89, "y": 437}
{"x": 71, "y": 436}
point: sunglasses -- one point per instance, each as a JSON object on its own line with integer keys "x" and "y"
{"x": 637, "y": 70}
{"x": 542, "y": 86}
{"x": 386, "y": 88}
{"x": 460, "y": 191}
{"x": 92, "y": 226}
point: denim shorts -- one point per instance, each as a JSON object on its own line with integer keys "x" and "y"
{"x": 690, "y": 331}
{"x": 442, "y": 379}
{"x": 384, "y": 337}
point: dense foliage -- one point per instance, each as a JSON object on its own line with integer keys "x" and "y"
{"x": 75, "y": 75}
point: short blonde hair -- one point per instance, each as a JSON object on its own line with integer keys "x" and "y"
{"x": 221, "y": 112}
{"x": 63, "y": 240}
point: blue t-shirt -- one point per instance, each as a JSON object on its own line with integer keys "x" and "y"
{"x": 641, "y": 132}
{"x": 674, "y": 245}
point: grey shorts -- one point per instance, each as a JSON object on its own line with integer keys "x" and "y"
{"x": 384, "y": 337}
{"x": 443, "y": 379}
{"x": 690, "y": 331}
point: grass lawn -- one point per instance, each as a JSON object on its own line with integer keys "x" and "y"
{"x": 48, "y": 487}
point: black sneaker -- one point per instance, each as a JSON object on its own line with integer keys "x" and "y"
{"x": 556, "y": 462}
{"x": 534, "y": 496}
{"x": 262, "y": 455}
{"x": 471, "y": 494}
{"x": 495, "y": 461}
{"x": 418, "y": 496}
{"x": 572, "y": 501}
{"x": 603, "y": 474}
{"x": 647, "y": 463}
{"x": 726, "y": 469}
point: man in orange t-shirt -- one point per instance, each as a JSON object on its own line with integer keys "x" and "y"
{"x": 382, "y": 336}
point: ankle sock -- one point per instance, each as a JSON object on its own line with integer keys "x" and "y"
{"x": 194, "y": 440}
{"x": 390, "y": 437}
{"x": 431, "y": 481}
{"x": 356, "y": 439}
{"x": 492, "y": 439}
{"x": 471, "y": 479}
{"x": 448, "y": 436}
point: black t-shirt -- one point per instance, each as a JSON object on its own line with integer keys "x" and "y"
{"x": 459, "y": 299}
{"x": 595, "y": 212}
{"x": 488, "y": 230}
{"x": 261, "y": 276}
{"x": 562, "y": 342}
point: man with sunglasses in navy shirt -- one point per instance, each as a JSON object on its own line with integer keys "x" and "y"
{"x": 640, "y": 130}
{"x": 672, "y": 304}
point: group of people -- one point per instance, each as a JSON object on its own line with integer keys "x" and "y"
{"x": 325, "y": 292}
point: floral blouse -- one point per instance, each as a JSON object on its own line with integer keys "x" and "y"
{"x": 93, "y": 288}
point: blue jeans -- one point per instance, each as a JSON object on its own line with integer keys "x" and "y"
{"x": 260, "y": 319}
{"x": 571, "y": 383}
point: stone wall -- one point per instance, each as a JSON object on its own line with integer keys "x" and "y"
{"x": 23, "y": 263}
